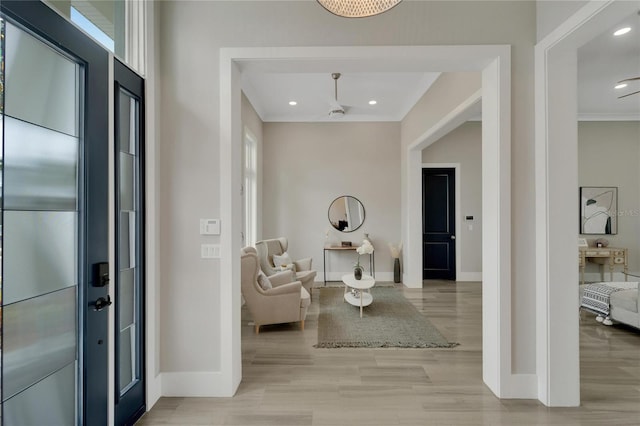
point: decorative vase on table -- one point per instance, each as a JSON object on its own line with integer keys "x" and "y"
{"x": 365, "y": 248}
{"x": 357, "y": 272}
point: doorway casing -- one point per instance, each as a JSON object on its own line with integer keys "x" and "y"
{"x": 494, "y": 62}
{"x": 556, "y": 198}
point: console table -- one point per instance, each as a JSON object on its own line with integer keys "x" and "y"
{"x": 342, "y": 249}
{"x": 612, "y": 256}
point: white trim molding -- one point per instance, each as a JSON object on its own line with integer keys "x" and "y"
{"x": 194, "y": 384}
{"x": 469, "y": 277}
{"x": 608, "y": 117}
{"x": 413, "y": 251}
{"x": 494, "y": 61}
{"x": 152, "y": 211}
{"x": 135, "y": 32}
{"x": 556, "y": 198}
{"x": 336, "y": 277}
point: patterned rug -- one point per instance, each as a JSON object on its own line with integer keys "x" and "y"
{"x": 390, "y": 321}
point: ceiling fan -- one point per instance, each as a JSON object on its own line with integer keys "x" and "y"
{"x": 626, "y": 80}
{"x": 337, "y": 110}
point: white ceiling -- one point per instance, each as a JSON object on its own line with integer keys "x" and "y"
{"x": 395, "y": 93}
{"x": 602, "y": 62}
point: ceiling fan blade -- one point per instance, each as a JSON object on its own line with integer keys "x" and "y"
{"x": 629, "y": 94}
{"x": 629, "y": 79}
{"x": 335, "y": 104}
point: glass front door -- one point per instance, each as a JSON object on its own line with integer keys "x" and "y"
{"x": 129, "y": 354}
{"x": 40, "y": 234}
{"x": 54, "y": 221}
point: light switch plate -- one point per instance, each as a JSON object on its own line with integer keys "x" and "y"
{"x": 209, "y": 226}
{"x": 210, "y": 251}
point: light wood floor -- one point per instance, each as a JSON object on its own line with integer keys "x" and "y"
{"x": 286, "y": 381}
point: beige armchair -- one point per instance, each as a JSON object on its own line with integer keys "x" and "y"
{"x": 268, "y": 248}
{"x": 287, "y": 301}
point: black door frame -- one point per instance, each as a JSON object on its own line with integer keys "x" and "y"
{"x": 93, "y": 344}
{"x": 452, "y": 171}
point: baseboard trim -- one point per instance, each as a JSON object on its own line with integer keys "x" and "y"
{"x": 154, "y": 391}
{"x": 194, "y": 384}
{"x": 594, "y": 277}
{"x": 337, "y": 276}
{"x": 469, "y": 276}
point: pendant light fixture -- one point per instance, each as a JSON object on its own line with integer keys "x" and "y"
{"x": 358, "y": 8}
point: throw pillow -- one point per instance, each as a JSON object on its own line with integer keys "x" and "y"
{"x": 291, "y": 268}
{"x": 283, "y": 260}
{"x": 264, "y": 281}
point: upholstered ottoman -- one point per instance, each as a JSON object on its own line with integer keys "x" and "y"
{"x": 618, "y": 301}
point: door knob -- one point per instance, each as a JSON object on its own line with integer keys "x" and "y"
{"x": 101, "y": 303}
{"x": 453, "y": 237}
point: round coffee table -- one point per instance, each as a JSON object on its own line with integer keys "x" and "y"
{"x": 360, "y": 298}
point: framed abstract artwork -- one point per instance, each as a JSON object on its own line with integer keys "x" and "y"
{"x": 599, "y": 210}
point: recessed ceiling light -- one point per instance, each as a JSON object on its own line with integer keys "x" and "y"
{"x": 373, "y": 102}
{"x": 622, "y": 31}
{"x": 621, "y": 86}
{"x": 293, "y": 103}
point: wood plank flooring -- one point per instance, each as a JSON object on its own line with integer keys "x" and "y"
{"x": 286, "y": 381}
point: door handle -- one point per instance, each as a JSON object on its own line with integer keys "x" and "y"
{"x": 453, "y": 237}
{"x": 101, "y": 303}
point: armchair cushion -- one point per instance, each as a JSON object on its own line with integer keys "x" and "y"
{"x": 283, "y": 277}
{"x": 268, "y": 250}
{"x": 289, "y": 288}
{"x": 264, "y": 281}
{"x": 286, "y": 301}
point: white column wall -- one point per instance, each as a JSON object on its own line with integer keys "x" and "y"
{"x": 193, "y": 301}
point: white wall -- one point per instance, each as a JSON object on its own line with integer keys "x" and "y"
{"x": 551, "y": 13}
{"x": 190, "y": 35}
{"x": 251, "y": 120}
{"x": 444, "y": 95}
{"x": 608, "y": 155}
{"x": 308, "y": 165}
{"x": 464, "y": 145}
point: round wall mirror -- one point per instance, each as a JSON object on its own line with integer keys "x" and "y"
{"x": 346, "y": 213}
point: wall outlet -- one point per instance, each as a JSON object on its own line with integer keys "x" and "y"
{"x": 210, "y": 251}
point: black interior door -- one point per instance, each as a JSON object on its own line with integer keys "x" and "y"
{"x": 438, "y": 224}
{"x": 129, "y": 280}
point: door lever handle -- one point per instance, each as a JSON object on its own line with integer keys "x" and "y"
{"x": 453, "y": 237}
{"x": 101, "y": 303}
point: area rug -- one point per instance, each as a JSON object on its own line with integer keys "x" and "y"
{"x": 390, "y": 321}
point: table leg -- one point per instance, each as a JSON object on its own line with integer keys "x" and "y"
{"x": 611, "y": 272}
{"x": 626, "y": 271}
{"x": 324, "y": 266}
